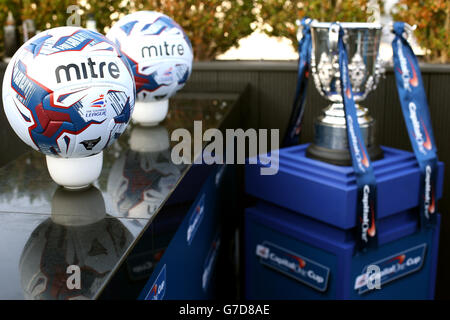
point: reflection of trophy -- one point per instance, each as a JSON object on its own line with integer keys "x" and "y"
{"x": 78, "y": 233}
{"x": 362, "y": 41}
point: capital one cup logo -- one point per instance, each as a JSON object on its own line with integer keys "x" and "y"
{"x": 429, "y": 195}
{"x": 391, "y": 268}
{"x": 360, "y": 155}
{"x": 406, "y": 76}
{"x": 368, "y": 223}
{"x": 302, "y": 269}
{"x": 423, "y": 143}
{"x": 158, "y": 289}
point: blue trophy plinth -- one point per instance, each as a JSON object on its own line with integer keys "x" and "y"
{"x": 327, "y": 192}
{"x": 300, "y": 239}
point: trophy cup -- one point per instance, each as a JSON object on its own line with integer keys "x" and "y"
{"x": 362, "y": 41}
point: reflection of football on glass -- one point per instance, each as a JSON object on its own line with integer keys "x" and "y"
{"x": 90, "y": 240}
{"x": 69, "y": 93}
{"x": 160, "y": 55}
{"x": 141, "y": 179}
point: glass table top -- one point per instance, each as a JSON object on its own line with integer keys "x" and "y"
{"x": 45, "y": 228}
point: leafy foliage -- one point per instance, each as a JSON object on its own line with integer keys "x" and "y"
{"x": 213, "y": 26}
{"x": 50, "y": 13}
{"x": 277, "y": 17}
{"x": 432, "y": 18}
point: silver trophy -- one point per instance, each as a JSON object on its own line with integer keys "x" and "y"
{"x": 362, "y": 41}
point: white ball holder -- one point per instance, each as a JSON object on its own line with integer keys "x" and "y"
{"x": 75, "y": 173}
{"x": 150, "y": 113}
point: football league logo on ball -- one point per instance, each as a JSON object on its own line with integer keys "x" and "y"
{"x": 68, "y": 92}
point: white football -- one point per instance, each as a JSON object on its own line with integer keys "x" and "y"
{"x": 68, "y": 92}
{"x": 158, "y": 51}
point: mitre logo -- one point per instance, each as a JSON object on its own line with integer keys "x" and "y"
{"x": 86, "y": 70}
{"x": 162, "y": 50}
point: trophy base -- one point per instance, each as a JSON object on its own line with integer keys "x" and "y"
{"x": 330, "y": 136}
{"x": 339, "y": 157}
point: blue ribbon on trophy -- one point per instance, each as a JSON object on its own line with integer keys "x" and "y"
{"x": 304, "y": 51}
{"x": 417, "y": 118}
{"x": 365, "y": 177}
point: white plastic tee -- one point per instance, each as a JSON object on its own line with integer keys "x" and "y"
{"x": 75, "y": 173}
